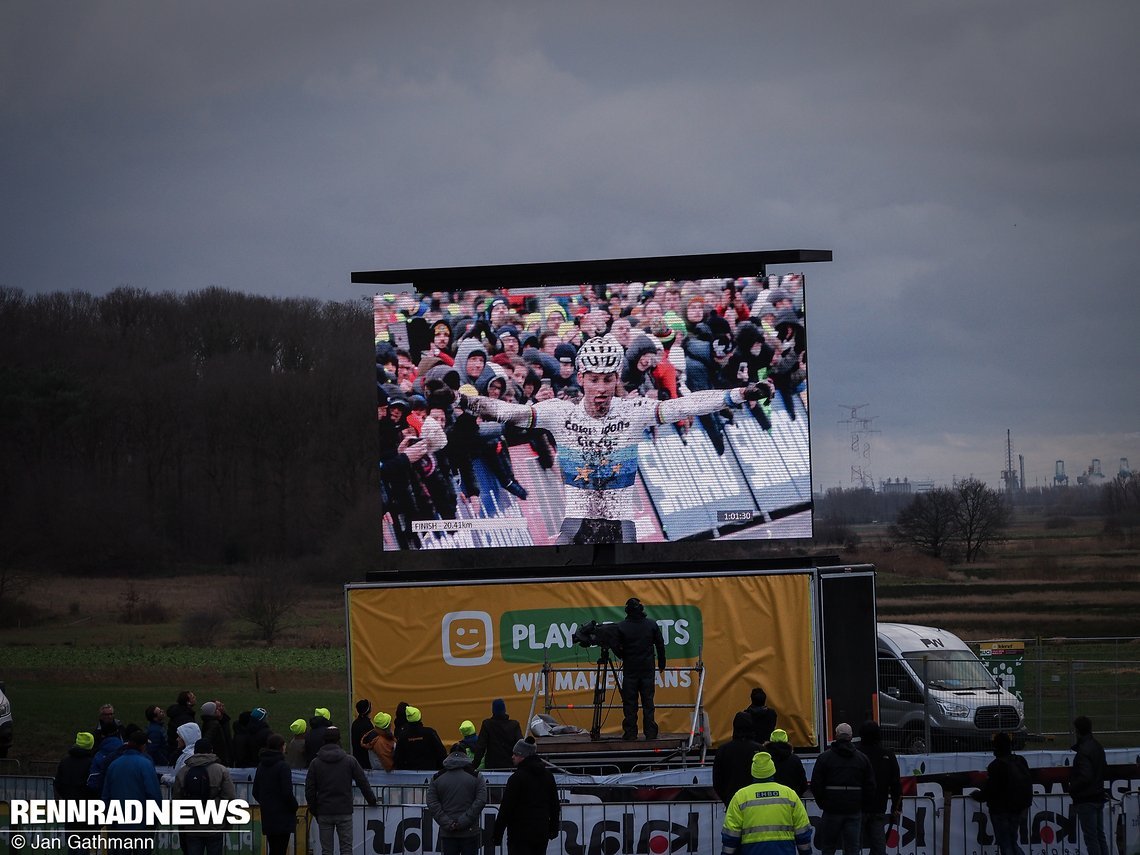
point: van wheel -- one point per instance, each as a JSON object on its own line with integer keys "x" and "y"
{"x": 914, "y": 742}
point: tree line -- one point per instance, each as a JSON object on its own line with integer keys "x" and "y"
{"x": 142, "y": 429}
{"x": 970, "y": 515}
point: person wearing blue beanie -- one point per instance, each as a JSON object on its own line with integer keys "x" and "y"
{"x": 497, "y": 738}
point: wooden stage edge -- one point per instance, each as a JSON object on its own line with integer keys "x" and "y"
{"x": 581, "y": 744}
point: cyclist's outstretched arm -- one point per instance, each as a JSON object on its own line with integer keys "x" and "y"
{"x": 701, "y": 403}
{"x": 499, "y": 411}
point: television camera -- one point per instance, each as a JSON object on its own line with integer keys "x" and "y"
{"x": 594, "y": 634}
{"x": 606, "y": 637}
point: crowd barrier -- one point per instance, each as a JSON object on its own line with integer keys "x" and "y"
{"x": 671, "y": 811}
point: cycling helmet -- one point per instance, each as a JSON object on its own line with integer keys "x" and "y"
{"x": 602, "y": 355}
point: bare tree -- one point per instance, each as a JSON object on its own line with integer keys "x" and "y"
{"x": 266, "y": 598}
{"x": 980, "y": 514}
{"x": 929, "y": 522}
{"x": 1120, "y": 502}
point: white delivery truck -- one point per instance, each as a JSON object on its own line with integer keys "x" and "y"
{"x": 929, "y": 673}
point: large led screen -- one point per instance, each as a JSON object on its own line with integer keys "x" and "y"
{"x": 594, "y": 413}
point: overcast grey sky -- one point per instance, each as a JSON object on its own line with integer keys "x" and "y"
{"x": 974, "y": 166}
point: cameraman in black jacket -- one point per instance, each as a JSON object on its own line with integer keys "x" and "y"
{"x": 638, "y": 639}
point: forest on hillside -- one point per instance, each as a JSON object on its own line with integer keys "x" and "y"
{"x": 139, "y": 430}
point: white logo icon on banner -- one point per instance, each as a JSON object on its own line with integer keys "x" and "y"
{"x": 467, "y": 638}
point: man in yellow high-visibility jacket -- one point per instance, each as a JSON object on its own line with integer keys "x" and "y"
{"x": 765, "y": 818}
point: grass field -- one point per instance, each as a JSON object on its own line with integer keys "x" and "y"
{"x": 77, "y": 650}
{"x": 74, "y": 644}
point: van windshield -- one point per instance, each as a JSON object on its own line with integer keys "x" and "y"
{"x": 952, "y": 670}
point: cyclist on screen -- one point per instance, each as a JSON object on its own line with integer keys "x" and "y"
{"x": 598, "y": 438}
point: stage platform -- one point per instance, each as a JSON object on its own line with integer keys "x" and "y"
{"x": 578, "y": 749}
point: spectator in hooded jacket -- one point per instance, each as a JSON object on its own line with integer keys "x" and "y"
{"x": 888, "y": 787}
{"x": 707, "y": 349}
{"x": 497, "y": 737}
{"x": 188, "y": 736}
{"x": 273, "y": 790}
{"x": 842, "y": 782}
{"x": 328, "y": 791}
{"x": 441, "y": 342}
{"x": 471, "y": 362}
{"x": 789, "y": 768}
{"x": 456, "y": 797}
{"x": 1086, "y": 786}
{"x": 750, "y": 362}
{"x": 732, "y": 765}
{"x": 788, "y": 366}
{"x": 420, "y": 747}
{"x": 564, "y": 381}
{"x": 641, "y": 358}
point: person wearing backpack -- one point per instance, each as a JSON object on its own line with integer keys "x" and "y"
{"x": 1008, "y": 794}
{"x": 205, "y": 779}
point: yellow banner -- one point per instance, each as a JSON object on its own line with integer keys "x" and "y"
{"x": 452, "y": 649}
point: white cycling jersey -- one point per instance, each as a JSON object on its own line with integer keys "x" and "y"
{"x": 599, "y": 456}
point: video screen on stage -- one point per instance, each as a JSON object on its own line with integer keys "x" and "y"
{"x": 604, "y": 412}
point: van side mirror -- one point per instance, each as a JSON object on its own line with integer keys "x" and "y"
{"x": 893, "y": 691}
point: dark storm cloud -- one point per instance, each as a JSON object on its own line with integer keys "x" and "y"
{"x": 971, "y": 164}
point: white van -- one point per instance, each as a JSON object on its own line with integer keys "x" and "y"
{"x": 966, "y": 705}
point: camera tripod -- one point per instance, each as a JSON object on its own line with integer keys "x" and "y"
{"x": 604, "y": 666}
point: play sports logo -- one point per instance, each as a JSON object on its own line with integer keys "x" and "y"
{"x": 538, "y": 635}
